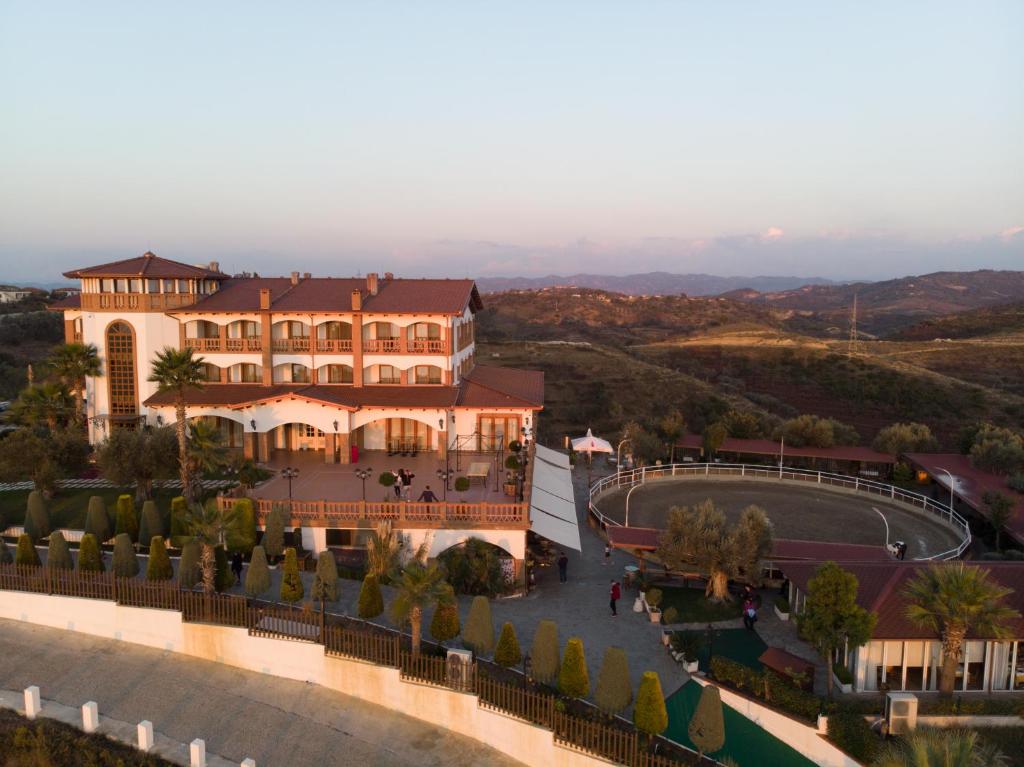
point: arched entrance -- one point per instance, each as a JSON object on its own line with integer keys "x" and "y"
{"x": 122, "y": 387}
{"x": 299, "y": 437}
{"x": 230, "y": 431}
{"x": 396, "y": 435}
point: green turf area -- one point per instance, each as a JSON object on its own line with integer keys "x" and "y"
{"x": 67, "y": 507}
{"x": 745, "y": 742}
{"x": 739, "y": 645}
{"x": 694, "y": 607}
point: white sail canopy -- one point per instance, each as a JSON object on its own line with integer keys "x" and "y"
{"x": 591, "y": 444}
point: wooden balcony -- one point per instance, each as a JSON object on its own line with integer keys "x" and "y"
{"x": 382, "y": 345}
{"x": 428, "y": 346}
{"x": 203, "y": 344}
{"x": 299, "y": 345}
{"x": 253, "y": 344}
{"x": 137, "y": 302}
{"x": 334, "y": 345}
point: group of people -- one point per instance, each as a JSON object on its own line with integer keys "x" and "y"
{"x": 403, "y": 488}
{"x": 751, "y": 601}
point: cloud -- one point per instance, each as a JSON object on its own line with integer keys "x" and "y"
{"x": 1013, "y": 231}
{"x": 773, "y": 233}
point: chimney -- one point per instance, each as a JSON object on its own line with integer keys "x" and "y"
{"x": 295, "y": 278}
{"x": 371, "y": 283}
{"x": 306, "y": 275}
{"x": 357, "y": 300}
{"x": 388, "y": 276}
{"x": 215, "y": 266}
{"x": 264, "y": 298}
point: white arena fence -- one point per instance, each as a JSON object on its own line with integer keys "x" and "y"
{"x": 940, "y": 511}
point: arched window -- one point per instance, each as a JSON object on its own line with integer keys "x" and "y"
{"x": 335, "y": 374}
{"x": 121, "y": 369}
{"x": 211, "y": 372}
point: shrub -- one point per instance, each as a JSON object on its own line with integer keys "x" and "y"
{"x": 649, "y": 713}
{"x": 257, "y": 577}
{"x": 223, "y": 578}
{"x": 653, "y": 597}
{"x": 89, "y": 558}
{"x": 512, "y": 463}
{"x": 707, "y": 726}
{"x": 371, "y": 603}
{"x": 37, "y": 518}
{"x": 151, "y": 524}
{"x": 97, "y": 521}
{"x": 475, "y": 568}
{"x": 242, "y": 536}
{"x": 461, "y": 484}
{"x": 782, "y": 604}
{"x": 573, "y": 678}
{"x": 850, "y": 731}
{"x": 26, "y": 553}
{"x": 507, "y": 653}
{"x": 6, "y": 557}
{"x": 273, "y": 535}
{"x": 386, "y": 479}
{"x": 613, "y": 691}
{"x": 325, "y": 582}
{"x": 179, "y": 533}
{"x": 188, "y": 568}
{"x": 671, "y": 615}
{"x": 292, "y": 589}
{"x": 159, "y": 566}
{"x": 770, "y": 687}
{"x": 126, "y": 564}
{"x": 126, "y": 523}
{"x": 689, "y": 643}
{"x": 445, "y": 623}
{"x": 478, "y": 635}
{"x": 57, "y": 556}
{"x": 544, "y": 654}
{"x": 842, "y": 673}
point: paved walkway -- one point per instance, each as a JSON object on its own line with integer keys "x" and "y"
{"x": 99, "y": 483}
{"x": 277, "y": 722}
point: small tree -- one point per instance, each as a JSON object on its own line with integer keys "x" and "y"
{"x": 189, "y": 573}
{"x": 713, "y": 437}
{"x": 325, "y": 583}
{"x": 478, "y": 635}
{"x": 6, "y": 557}
{"x": 158, "y": 568}
{"x": 243, "y": 537}
{"x": 386, "y": 479}
{"x": 223, "y": 578}
{"x": 613, "y": 691}
{"x": 707, "y": 725}
{"x": 573, "y": 677}
{"x": 151, "y": 524}
{"x": 57, "y": 556}
{"x": 97, "y": 521}
{"x": 899, "y": 438}
{"x": 127, "y": 523}
{"x": 26, "y": 553}
{"x": 1000, "y": 511}
{"x": 649, "y": 713}
{"x": 507, "y": 653}
{"x": 126, "y": 564}
{"x": 445, "y": 623}
{"x": 418, "y": 587}
{"x": 37, "y": 518}
{"x": 371, "y": 603}
{"x": 544, "y": 655}
{"x": 292, "y": 589}
{"x": 273, "y": 535}
{"x": 90, "y": 560}
{"x": 179, "y": 525}
{"x": 257, "y": 577}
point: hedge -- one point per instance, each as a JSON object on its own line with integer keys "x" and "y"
{"x": 851, "y": 732}
{"x": 126, "y": 523}
{"x": 57, "y": 556}
{"x": 90, "y": 560}
{"x": 26, "y": 553}
{"x": 97, "y": 521}
{"x": 188, "y": 567}
{"x": 242, "y": 536}
{"x": 507, "y": 653}
{"x": 768, "y": 686}
{"x": 126, "y": 564}
{"x": 292, "y": 589}
{"x": 573, "y": 677}
{"x": 37, "y": 518}
{"x": 544, "y": 655}
{"x": 257, "y": 577}
{"x": 325, "y": 582}
{"x": 158, "y": 568}
{"x": 649, "y": 714}
{"x": 445, "y": 623}
{"x": 371, "y": 603}
{"x": 478, "y": 634}
{"x": 614, "y": 691}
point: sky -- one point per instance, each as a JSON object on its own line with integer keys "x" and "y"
{"x": 836, "y": 139}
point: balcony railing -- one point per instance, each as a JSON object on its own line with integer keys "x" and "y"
{"x": 381, "y": 345}
{"x": 427, "y": 346}
{"x": 138, "y": 302}
{"x": 77, "y": 337}
{"x": 203, "y": 344}
{"x": 243, "y": 344}
{"x": 291, "y": 344}
{"x": 334, "y": 345}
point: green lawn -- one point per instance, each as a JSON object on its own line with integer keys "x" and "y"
{"x": 67, "y": 507}
{"x": 694, "y": 607}
{"x": 739, "y": 645}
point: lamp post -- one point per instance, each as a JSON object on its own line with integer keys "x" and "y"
{"x": 952, "y": 484}
{"x": 443, "y": 476}
{"x": 364, "y": 474}
{"x": 289, "y": 473}
{"x": 618, "y": 454}
{"x": 886, "y": 525}
{"x": 629, "y": 493}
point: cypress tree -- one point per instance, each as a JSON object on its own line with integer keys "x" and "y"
{"x": 573, "y": 677}
{"x": 127, "y": 523}
{"x": 649, "y": 713}
{"x": 97, "y": 521}
{"x": 242, "y": 535}
{"x": 223, "y": 578}
{"x": 371, "y": 603}
{"x": 707, "y": 726}
{"x": 257, "y": 577}
{"x": 544, "y": 655}
{"x": 159, "y": 566}
{"x": 179, "y": 535}
{"x": 37, "y": 518}
{"x": 273, "y": 535}
{"x": 6, "y": 557}
{"x": 478, "y": 635}
{"x": 445, "y": 623}
{"x": 57, "y": 556}
{"x": 325, "y": 583}
{"x": 26, "y": 553}
{"x": 507, "y": 653}
{"x": 292, "y": 589}
{"x": 614, "y": 691}
{"x": 126, "y": 564}
{"x": 151, "y": 524}
{"x": 188, "y": 568}
{"x": 90, "y": 560}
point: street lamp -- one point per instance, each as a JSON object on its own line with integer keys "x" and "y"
{"x": 443, "y": 476}
{"x": 289, "y": 473}
{"x": 629, "y": 493}
{"x": 364, "y": 474}
{"x": 886, "y": 525}
{"x": 618, "y": 454}
{"x": 952, "y": 484}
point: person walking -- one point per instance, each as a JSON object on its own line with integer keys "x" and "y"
{"x": 427, "y": 496}
{"x": 563, "y": 566}
{"x": 749, "y": 615}
{"x": 614, "y": 595}
{"x": 399, "y": 477}
{"x": 236, "y": 566}
{"x": 607, "y": 553}
{"x": 407, "y": 484}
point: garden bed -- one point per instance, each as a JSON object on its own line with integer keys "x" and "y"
{"x": 693, "y": 607}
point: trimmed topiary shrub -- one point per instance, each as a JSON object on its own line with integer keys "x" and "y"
{"x": 649, "y": 713}
{"x": 57, "y": 555}
{"x": 707, "y": 725}
{"x": 97, "y": 521}
{"x": 6, "y": 557}
{"x": 653, "y": 597}
{"x": 242, "y": 535}
{"x": 158, "y": 568}
{"x": 273, "y": 535}
{"x": 386, "y": 479}
{"x": 26, "y": 553}
{"x": 292, "y": 589}
{"x": 257, "y": 577}
{"x": 37, "y": 518}
{"x": 126, "y": 564}
{"x": 179, "y": 531}
{"x": 614, "y": 691}
{"x": 90, "y": 560}
{"x": 445, "y": 623}
{"x": 573, "y": 677}
{"x": 461, "y": 484}
{"x": 371, "y": 603}
{"x": 478, "y": 634}
{"x": 850, "y": 731}
{"x": 189, "y": 573}
{"x": 325, "y": 582}
{"x": 223, "y": 578}
{"x": 151, "y": 524}
{"x": 544, "y": 655}
{"x": 671, "y": 615}
{"x": 507, "y": 653}
{"x": 127, "y": 523}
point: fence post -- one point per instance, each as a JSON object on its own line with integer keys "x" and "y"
{"x": 819, "y": 477}
{"x": 145, "y": 734}
{"x": 90, "y": 716}
{"x": 32, "y": 706}
{"x": 197, "y": 753}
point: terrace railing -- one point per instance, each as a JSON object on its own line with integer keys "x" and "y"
{"x": 334, "y": 345}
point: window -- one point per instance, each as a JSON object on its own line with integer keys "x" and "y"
{"x": 153, "y": 286}
{"x": 168, "y": 286}
{"x": 300, "y": 374}
{"x": 389, "y": 375}
{"x": 428, "y": 374}
{"x": 384, "y": 330}
{"x": 244, "y": 329}
{"x": 337, "y": 374}
{"x": 121, "y": 369}
{"x": 425, "y": 330}
{"x": 496, "y": 431}
{"x": 183, "y": 286}
{"x": 297, "y": 330}
{"x": 336, "y": 331}
{"x": 975, "y": 661}
{"x": 120, "y": 286}
{"x": 211, "y": 373}
{"x": 135, "y": 286}
{"x": 245, "y": 373}
{"x": 106, "y": 286}
{"x": 915, "y": 666}
{"x": 311, "y": 431}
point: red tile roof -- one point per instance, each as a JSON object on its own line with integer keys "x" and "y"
{"x": 771, "y": 447}
{"x": 343, "y": 396}
{"x": 824, "y": 550}
{"x": 644, "y": 538}
{"x": 779, "y": 660}
{"x": 71, "y": 301}
{"x": 487, "y": 386}
{"x": 146, "y": 265}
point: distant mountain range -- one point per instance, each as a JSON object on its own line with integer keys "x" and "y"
{"x": 651, "y": 283}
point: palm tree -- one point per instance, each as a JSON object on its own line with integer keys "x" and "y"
{"x": 209, "y": 526}
{"x": 941, "y": 748}
{"x": 383, "y": 548}
{"x": 177, "y": 370}
{"x": 950, "y": 598}
{"x": 49, "y": 403}
{"x": 417, "y": 587}
{"x": 72, "y": 364}
{"x": 205, "y": 449}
